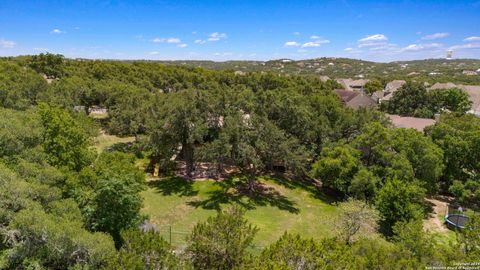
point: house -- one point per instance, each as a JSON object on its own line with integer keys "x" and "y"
{"x": 349, "y": 84}
{"x": 469, "y": 72}
{"x": 473, "y": 92}
{"x": 386, "y": 97}
{"x": 97, "y": 110}
{"x": 447, "y": 85}
{"x": 355, "y": 99}
{"x": 394, "y": 86}
{"x": 389, "y": 89}
{"x": 410, "y": 122}
{"x": 345, "y": 83}
{"x": 378, "y": 96}
{"x": 358, "y": 84}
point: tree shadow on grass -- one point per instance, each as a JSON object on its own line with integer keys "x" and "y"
{"x": 174, "y": 185}
{"x": 232, "y": 190}
{"x": 324, "y": 194}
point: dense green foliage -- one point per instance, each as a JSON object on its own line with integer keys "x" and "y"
{"x": 413, "y": 99}
{"x": 49, "y": 64}
{"x": 145, "y": 250}
{"x": 373, "y": 86}
{"x": 64, "y": 206}
{"x": 19, "y": 87}
{"x": 459, "y": 138}
{"x": 64, "y": 140}
{"x": 221, "y": 242}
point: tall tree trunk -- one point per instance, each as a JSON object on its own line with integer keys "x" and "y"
{"x": 251, "y": 178}
{"x": 219, "y": 168}
{"x": 189, "y": 160}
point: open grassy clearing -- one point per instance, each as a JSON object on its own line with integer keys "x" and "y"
{"x": 103, "y": 141}
{"x": 284, "y": 207}
{"x": 177, "y": 204}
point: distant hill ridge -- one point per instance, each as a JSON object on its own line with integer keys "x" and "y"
{"x": 435, "y": 70}
{"x": 465, "y": 71}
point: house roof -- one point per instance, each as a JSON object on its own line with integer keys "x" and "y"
{"x": 474, "y": 92}
{"x": 349, "y": 84}
{"x": 410, "y": 122}
{"x": 387, "y": 96}
{"x": 378, "y": 95}
{"x": 361, "y": 101}
{"x": 358, "y": 83}
{"x": 394, "y": 85}
{"x": 447, "y": 85}
{"x": 346, "y": 95}
{"x": 469, "y": 72}
{"x": 354, "y": 99}
{"x": 345, "y": 83}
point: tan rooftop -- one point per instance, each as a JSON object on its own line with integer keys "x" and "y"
{"x": 410, "y": 122}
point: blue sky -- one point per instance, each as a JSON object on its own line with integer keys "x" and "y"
{"x": 226, "y": 30}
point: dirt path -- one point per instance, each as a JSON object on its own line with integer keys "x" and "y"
{"x": 435, "y": 223}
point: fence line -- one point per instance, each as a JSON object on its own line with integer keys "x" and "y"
{"x": 178, "y": 239}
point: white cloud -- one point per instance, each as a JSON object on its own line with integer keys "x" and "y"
{"x": 183, "y": 45}
{"x": 194, "y": 32}
{"x": 435, "y": 36}
{"x": 352, "y": 50}
{"x": 7, "y": 43}
{"x": 166, "y": 40}
{"x": 57, "y": 31}
{"x": 466, "y": 46}
{"x": 199, "y": 41}
{"x": 314, "y": 37}
{"x": 373, "y": 38}
{"x": 373, "y": 41}
{"x": 296, "y": 33}
{"x": 421, "y": 47}
{"x": 291, "y": 44}
{"x": 76, "y": 28}
{"x": 472, "y": 39}
{"x": 310, "y": 45}
{"x": 316, "y": 43}
{"x": 173, "y": 40}
{"x": 216, "y": 36}
{"x": 154, "y": 53}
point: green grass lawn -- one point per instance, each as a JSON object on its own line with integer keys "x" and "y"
{"x": 177, "y": 205}
{"x": 103, "y": 141}
{"x": 285, "y": 207}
